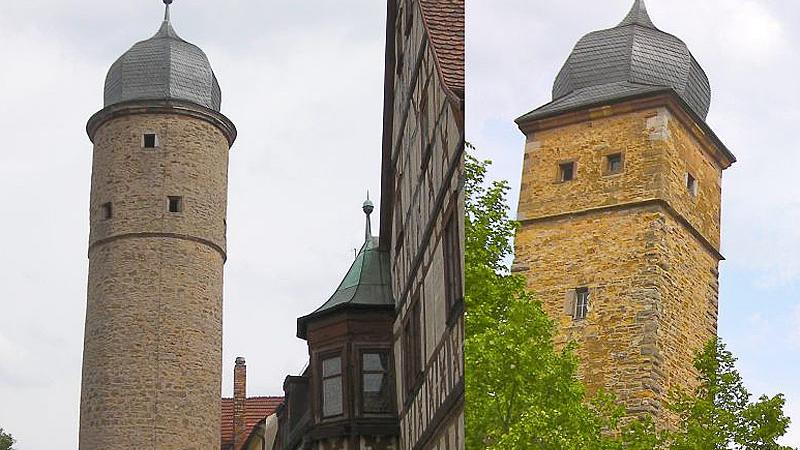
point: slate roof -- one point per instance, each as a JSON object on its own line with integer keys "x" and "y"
{"x": 255, "y": 410}
{"x": 366, "y": 285}
{"x": 164, "y": 67}
{"x": 628, "y": 60}
{"x": 444, "y": 21}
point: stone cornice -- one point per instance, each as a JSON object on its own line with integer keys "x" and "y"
{"x": 697, "y": 127}
{"x": 145, "y": 235}
{"x": 656, "y": 202}
{"x": 162, "y": 107}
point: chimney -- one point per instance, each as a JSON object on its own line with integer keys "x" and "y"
{"x": 239, "y": 397}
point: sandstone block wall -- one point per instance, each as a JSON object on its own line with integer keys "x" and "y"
{"x": 153, "y": 341}
{"x": 644, "y": 246}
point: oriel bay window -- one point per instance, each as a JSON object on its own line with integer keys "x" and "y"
{"x": 332, "y": 404}
{"x": 375, "y": 383}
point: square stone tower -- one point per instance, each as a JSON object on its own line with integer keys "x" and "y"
{"x": 620, "y": 211}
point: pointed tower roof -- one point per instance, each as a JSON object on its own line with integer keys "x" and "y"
{"x": 366, "y": 286}
{"x": 634, "y": 58}
{"x": 638, "y": 16}
{"x": 164, "y": 67}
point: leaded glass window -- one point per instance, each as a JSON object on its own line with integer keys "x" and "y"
{"x": 332, "y": 404}
{"x": 376, "y": 394}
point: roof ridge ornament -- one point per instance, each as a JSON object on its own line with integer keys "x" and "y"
{"x": 368, "y": 207}
{"x": 638, "y": 16}
{"x": 166, "y": 12}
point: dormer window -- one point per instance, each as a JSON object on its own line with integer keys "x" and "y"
{"x": 375, "y": 383}
{"x": 332, "y": 404}
{"x": 149, "y": 140}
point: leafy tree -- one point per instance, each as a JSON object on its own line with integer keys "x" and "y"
{"x": 6, "y": 441}
{"x": 521, "y": 392}
{"x": 720, "y": 414}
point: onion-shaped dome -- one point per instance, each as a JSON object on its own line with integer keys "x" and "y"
{"x": 164, "y": 67}
{"x": 630, "y": 59}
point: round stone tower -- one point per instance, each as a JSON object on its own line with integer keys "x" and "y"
{"x": 153, "y": 340}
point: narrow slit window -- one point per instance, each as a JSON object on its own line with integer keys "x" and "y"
{"x": 106, "y": 211}
{"x": 175, "y": 204}
{"x": 615, "y": 163}
{"x": 566, "y": 172}
{"x": 581, "y": 304}
{"x": 691, "y": 184}
{"x": 150, "y": 140}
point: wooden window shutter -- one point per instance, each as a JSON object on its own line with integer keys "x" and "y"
{"x": 570, "y": 299}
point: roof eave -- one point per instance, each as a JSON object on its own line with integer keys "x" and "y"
{"x": 528, "y": 122}
{"x": 302, "y": 322}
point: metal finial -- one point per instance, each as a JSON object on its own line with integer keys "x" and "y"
{"x": 166, "y": 13}
{"x": 368, "y": 207}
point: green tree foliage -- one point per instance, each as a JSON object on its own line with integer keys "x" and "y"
{"x": 523, "y": 394}
{"x": 6, "y": 441}
{"x": 721, "y": 414}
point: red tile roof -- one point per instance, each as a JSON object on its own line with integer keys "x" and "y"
{"x": 255, "y": 410}
{"x": 444, "y": 20}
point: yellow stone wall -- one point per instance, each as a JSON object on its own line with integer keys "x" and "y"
{"x": 153, "y": 339}
{"x": 627, "y": 237}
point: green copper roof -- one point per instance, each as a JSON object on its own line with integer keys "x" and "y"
{"x": 367, "y": 284}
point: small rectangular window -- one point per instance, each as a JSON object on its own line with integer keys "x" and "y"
{"x": 615, "y": 163}
{"x": 581, "y": 304}
{"x": 175, "y": 204}
{"x": 332, "y": 404}
{"x": 150, "y": 140}
{"x": 566, "y": 171}
{"x": 106, "y": 211}
{"x": 375, "y": 384}
{"x": 691, "y": 184}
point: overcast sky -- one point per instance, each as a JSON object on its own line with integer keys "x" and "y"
{"x": 749, "y": 49}
{"x": 303, "y": 81}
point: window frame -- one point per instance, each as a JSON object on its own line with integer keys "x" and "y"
{"x": 178, "y": 203}
{"x": 387, "y": 373}
{"x": 412, "y": 348}
{"x": 322, "y": 378}
{"x": 582, "y": 299}
{"x": 453, "y": 267}
{"x": 608, "y": 160}
{"x": 156, "y": 140}
{"x": 573, "y": 167}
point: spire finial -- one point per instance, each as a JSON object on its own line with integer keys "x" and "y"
{"x": 166, "y": 13}
{"x": 368, "y": 207}
{"x": 638, "y": 16}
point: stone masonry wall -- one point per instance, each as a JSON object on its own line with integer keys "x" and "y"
{"x": 628, "y": 238}
{"x": 153, "y": 340}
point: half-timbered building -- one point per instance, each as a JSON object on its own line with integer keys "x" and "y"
{"x": 422, "y": 216}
